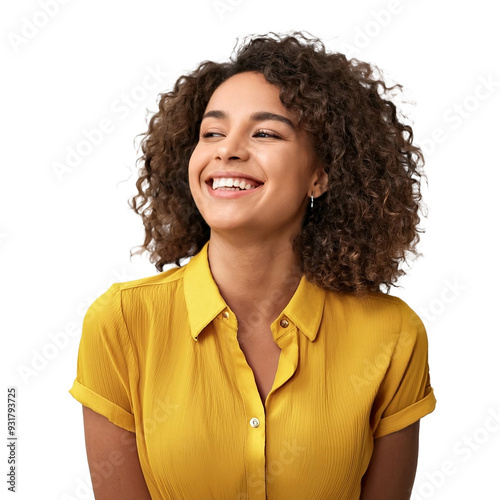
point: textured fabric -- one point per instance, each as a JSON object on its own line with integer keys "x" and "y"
{"x": 159, "y": 356}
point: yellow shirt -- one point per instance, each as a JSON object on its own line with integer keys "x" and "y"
{"x": 159, "y": 356}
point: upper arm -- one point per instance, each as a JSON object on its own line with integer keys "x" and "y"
{"x": 113, "y": 460}
{"x": 391, "y": 472}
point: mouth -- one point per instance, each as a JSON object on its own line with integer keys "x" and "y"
{"x": 234, "y": 183}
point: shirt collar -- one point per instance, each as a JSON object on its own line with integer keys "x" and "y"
{"x": 204, "y": 301}
{"x": 305, "y": 308}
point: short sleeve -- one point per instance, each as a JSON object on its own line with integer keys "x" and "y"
{"x": 105, "y": 361}
{"x": 405, "y": 394}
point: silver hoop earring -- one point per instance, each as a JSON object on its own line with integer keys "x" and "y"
{"x": 312, "y": 201}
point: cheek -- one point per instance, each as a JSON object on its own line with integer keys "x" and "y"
{"x": 294, "y": 172}
{"x": 193, "y": 167}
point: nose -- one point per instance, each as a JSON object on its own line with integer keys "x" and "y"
{"x": 231, "y": 147}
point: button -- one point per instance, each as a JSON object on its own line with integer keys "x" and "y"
{"x": 254, "y": 422}
{"x": 284, "y": 323}
{"x": 225, "y": 315}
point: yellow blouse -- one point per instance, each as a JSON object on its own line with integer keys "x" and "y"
{"x": 159, "y": 356}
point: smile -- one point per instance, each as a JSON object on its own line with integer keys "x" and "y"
{"x": 232, "y": 187}
{"x": 233, "y": 184}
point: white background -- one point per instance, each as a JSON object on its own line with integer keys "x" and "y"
{"x": 64, "y": 239}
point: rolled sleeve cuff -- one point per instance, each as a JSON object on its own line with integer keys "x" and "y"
{"x": 114, "y": 413}
{"x": 406, "y": 417}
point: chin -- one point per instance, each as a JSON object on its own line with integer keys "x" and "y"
{"x": 225, "y": 226}
{"x": 230, "y": 225}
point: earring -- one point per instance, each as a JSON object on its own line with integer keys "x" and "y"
{"x": 312, "y": 201}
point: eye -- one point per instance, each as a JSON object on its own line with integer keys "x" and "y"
{"x": 208, "y": 134}
{"x": 266, "y": 134}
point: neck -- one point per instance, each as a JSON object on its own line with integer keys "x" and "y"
{"x": 256, "y": 280}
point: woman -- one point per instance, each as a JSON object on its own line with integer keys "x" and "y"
{"x": 271, "y": 365}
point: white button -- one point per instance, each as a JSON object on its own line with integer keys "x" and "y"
{"x": 254, "y": 422}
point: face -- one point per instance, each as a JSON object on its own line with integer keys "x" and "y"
{"x": 253, "y": 169}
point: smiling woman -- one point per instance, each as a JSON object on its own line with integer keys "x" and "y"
{"x": 272, "y": 364}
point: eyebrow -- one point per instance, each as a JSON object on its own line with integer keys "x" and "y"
{"x": 258, "y": 116}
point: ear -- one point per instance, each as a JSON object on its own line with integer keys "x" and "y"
{"x": 320, "y": 182}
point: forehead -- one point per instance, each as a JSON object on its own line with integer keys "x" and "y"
{"x": 248, "y": 90}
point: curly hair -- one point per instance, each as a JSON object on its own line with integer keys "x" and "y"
{"x": 362, "y": 228}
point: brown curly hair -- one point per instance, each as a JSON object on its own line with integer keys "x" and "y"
{"x": 362, "y": 228}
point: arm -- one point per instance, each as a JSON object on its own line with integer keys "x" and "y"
{"x": 391, "y": 472}
{"x": 113, "y": 461}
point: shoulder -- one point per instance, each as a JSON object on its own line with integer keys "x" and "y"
{"x": 148, "y": 283}
{"x": 373, "y": 305}
{"x": 133, "y": 293}
{"x": 383, "y": 316}
{"x": 149, "y": 286}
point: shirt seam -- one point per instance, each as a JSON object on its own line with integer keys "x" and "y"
{"x": 127, "y": 285}
{"x": 132, "y": 350}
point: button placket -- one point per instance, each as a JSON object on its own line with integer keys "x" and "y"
{"x": 255, "y": 441}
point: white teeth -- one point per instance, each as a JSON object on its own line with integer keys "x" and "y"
{"x": 230, "y": 183}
